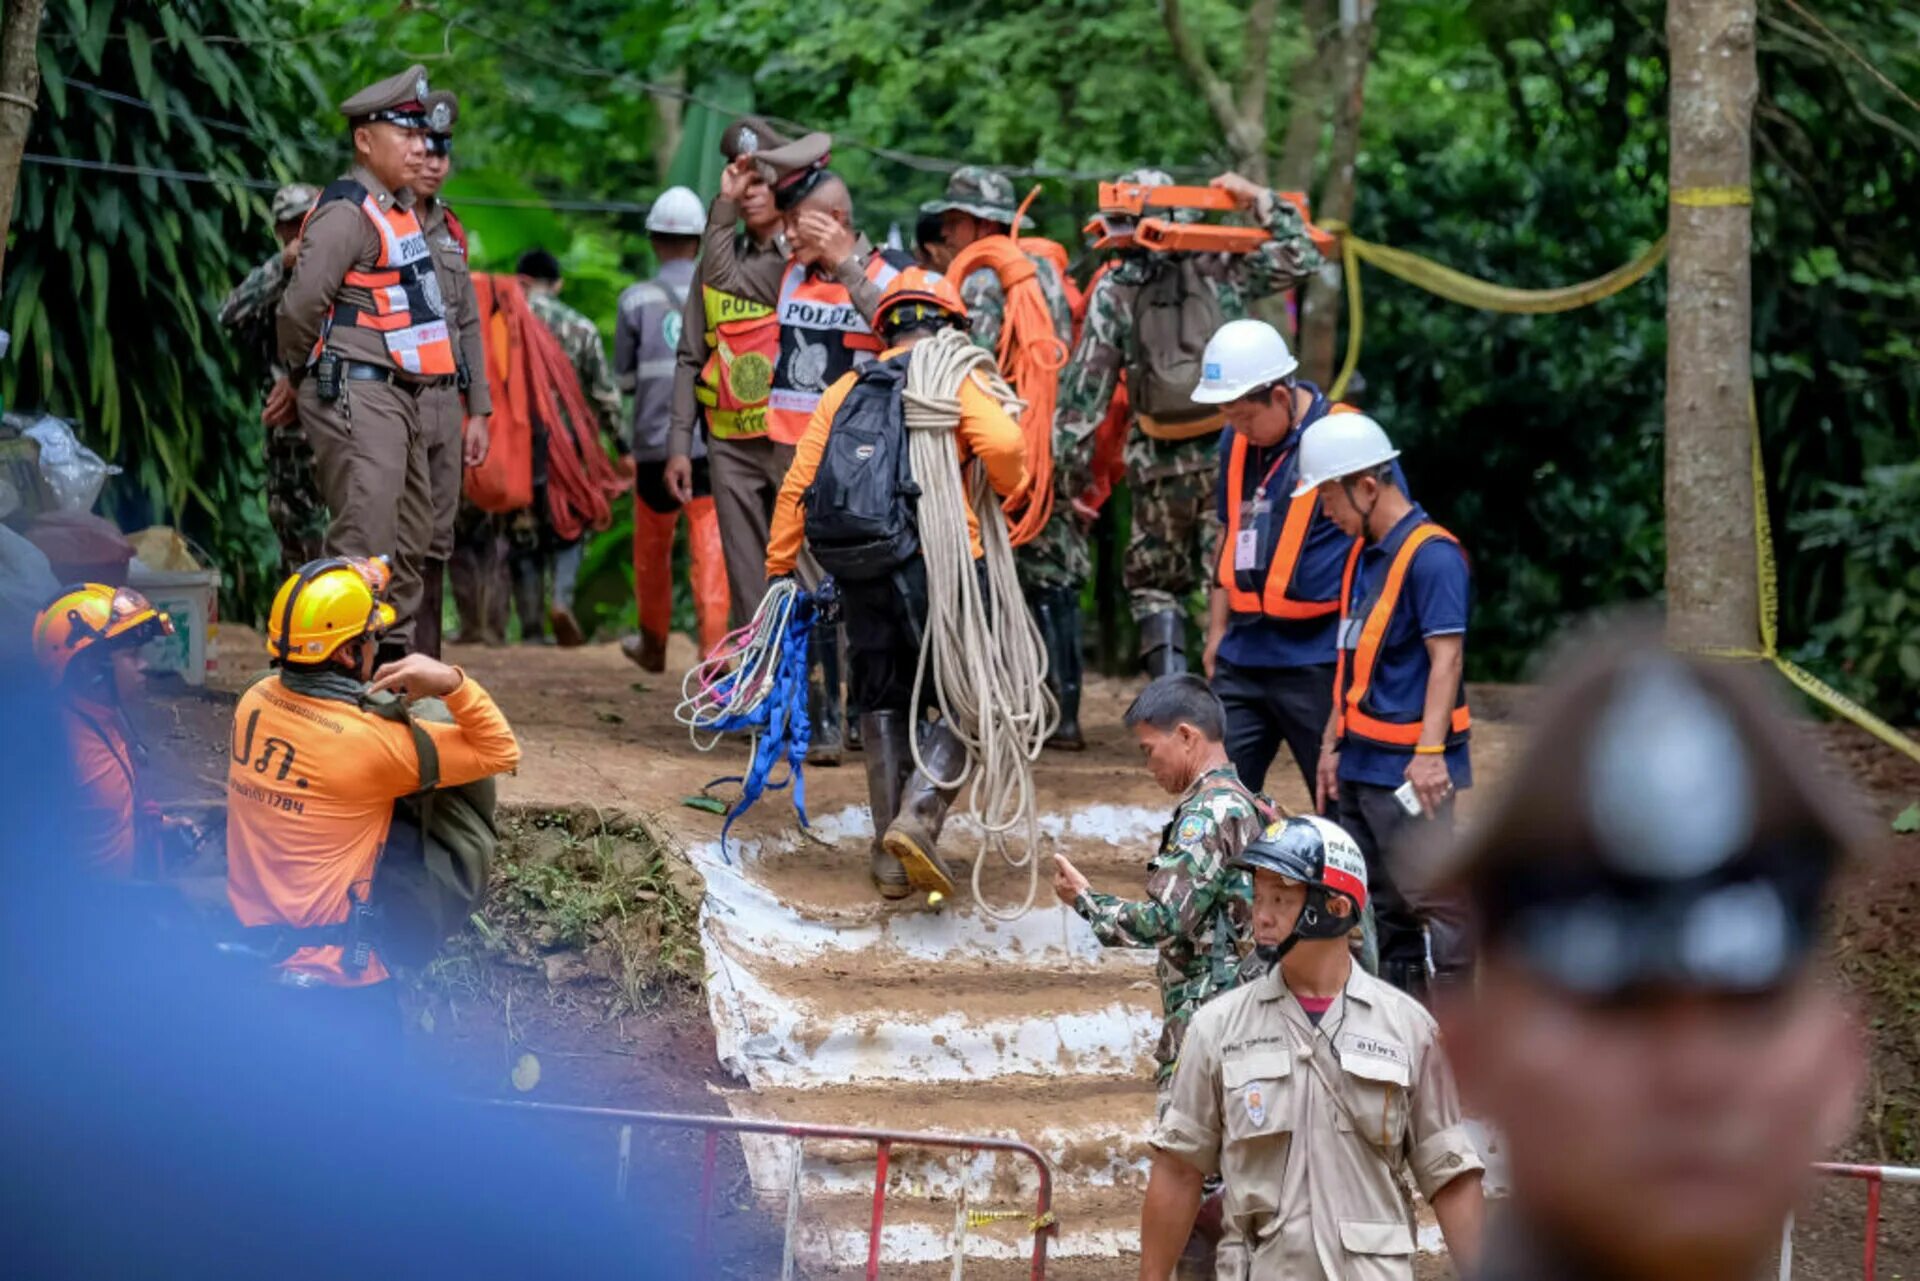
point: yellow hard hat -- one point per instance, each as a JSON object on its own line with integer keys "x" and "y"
{"x": 93, "y": 614}
{"x": 325, "y": 605}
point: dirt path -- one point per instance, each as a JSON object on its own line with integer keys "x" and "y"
{"x": 833, "y": 1007}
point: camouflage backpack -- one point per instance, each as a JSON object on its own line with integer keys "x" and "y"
{"x": 1174, "y": 314}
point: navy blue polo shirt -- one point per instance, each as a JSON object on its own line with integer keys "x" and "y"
{"x": 1258, "y": 640}
{"x": 1434, "y": 601}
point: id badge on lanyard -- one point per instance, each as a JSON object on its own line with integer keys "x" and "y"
{"x": 1246, "y": 544}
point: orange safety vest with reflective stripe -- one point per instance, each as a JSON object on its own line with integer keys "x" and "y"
{"x": 407, "y": 310}
{"x": 1277, "y": 597}
{"x": 1353, "y": 679}
{"x": 822, "y": 337}
{"x": 743, "y": 344}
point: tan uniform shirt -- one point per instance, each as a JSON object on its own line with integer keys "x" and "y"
{"x": 337, "y": 239}
{"x": 463, "y": 309}
{"x": 1310, "y": 1126}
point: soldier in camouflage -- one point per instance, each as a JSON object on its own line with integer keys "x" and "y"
{"x": 294, "y": 505}
{"x": 1198, "y": 911}
{"x": 1174, "y": 527}
{"x": 534, "y": 545}
{"x": 980, "y": 204}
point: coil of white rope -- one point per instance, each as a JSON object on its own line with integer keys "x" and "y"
{"x": 738, "y": 675}
{"x": 983, "y": 653}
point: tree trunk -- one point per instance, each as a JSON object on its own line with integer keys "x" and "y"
{"x": 1320, "y": 317}
{"x": 1713, "y": 593}
{"x": 1307, "y": 99}
{"x": 19, "y": 92}
{"x": 1243, "y": 117}
{"x": 669, "y": 109}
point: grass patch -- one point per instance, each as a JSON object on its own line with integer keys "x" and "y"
{"x": 602, "y": 912}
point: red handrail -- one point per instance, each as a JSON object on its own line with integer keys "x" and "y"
{"x": 1874, "y": 1176}
{"x": 883, "y": 1140}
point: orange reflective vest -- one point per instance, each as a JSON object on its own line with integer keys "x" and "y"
{"x": 1277, "y": 597}
{"x": 406, "y": 309}
{"x": 743, "y": 344}
{"x": 1353, "y": 680}
{"x": 822, "y": 336}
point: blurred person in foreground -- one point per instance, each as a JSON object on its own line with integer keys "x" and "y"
{"x": 1653, "y": 1030}
{"x": 176, "y": 1119}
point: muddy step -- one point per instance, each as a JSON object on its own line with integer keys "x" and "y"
{"x": 831, "y": 1232}
{"x": 1091, "y": 1130}
{"x": 787, "y": 1028}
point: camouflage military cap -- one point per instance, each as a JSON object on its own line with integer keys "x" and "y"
{"x": 399, "y": 100}
{"x": 982, "y": 193}
{"x": 750, "y": 135}
{"x": 293, "y": 200}
{"x": 1144, "y": 177}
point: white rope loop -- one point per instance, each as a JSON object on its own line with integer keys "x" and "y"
{"x": 988, "y": 664}
{"x": 751, "y": 655}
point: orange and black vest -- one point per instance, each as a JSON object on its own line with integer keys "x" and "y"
{"x": 743, "y": 344}
{"x": 822, "y": 337}
{"x": 1353, "y": 683}
{"x": 1277, "y": 592}
{"x": 406, "y": 309}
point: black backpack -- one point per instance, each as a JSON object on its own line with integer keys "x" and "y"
{"x": 860, "y": 506}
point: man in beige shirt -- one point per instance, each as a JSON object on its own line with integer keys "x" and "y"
{"x": 1311, "y": 1092}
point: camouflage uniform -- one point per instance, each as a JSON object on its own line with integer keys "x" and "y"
{"x": 1174, "y": 527}
{"x": 1198, "y": 911}
{"x": 294, "y": 505}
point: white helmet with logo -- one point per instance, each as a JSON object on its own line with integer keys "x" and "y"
{"x": 677, "y": 211}
{"x": 1338, "y": 446}
{"x": 1242, "y": 356}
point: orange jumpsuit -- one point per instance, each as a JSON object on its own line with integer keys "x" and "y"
{"x": 104, "y": 772}
{"x": 310, "y": 790}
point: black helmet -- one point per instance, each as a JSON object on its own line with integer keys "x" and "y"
{"x": 1320, "y": 855}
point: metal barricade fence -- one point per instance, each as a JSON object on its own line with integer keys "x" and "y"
{"x": 1874, "y": 1176}
{"x": 885, "y": 1141}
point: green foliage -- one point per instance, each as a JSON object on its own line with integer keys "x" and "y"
{"x": 1873, "y": 644}
{"x": 113, "y": 280}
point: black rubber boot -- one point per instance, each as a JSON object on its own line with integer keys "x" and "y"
{"x": 823, "y": 699}
{"x": 529, "y": 598}
{"x": 426, "y": 625}
{"x": 914, "y": 834}
{"x": 1163, "y": 643}
{"x": 1057, "y": 610}
{"x": 889, "y": 759}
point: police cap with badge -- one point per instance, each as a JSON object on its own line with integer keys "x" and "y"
{"x": 443, "y": 110}
{"x": 398, "y": 100}
{"x": 796, "y": 169}
{"x": 1667, "y": 828}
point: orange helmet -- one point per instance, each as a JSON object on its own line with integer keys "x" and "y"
{"x": 327, "y": 604}
{"x": 911, "y": 297}
{"x": 91, "y": 615}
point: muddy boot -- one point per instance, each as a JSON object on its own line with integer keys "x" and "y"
{"x": 889, "y": 759}
{"x": 823, "y": 700}
{"x": 1163, "y": 643}
{"x": 647, "y": 651}
{"x": 856, "y": 739}
{"x": 915, "y": 830}
{"x": 1057, "y": 610}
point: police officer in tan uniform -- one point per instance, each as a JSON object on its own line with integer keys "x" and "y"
{"x": 453, "y": 417}
{"x": 1653, "y": 1029}
{"x": 362, "y": 326}
{"x": 1315, "y": 1092}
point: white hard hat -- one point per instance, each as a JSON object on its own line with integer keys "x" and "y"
{"x": 1242, "y": 356}
{"x": 1341, "y": 445}
{"x": 677, "y": 212}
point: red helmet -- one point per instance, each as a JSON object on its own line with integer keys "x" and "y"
{"x": 911, "y": 295}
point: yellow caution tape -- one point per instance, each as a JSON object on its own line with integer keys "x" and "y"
{"x": 1455, "y": 286}
{"x": 986, "y": 1218}
{"x": 1711, "y": 197}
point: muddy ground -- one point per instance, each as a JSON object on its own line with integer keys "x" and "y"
{"x": 598, "y": 738}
